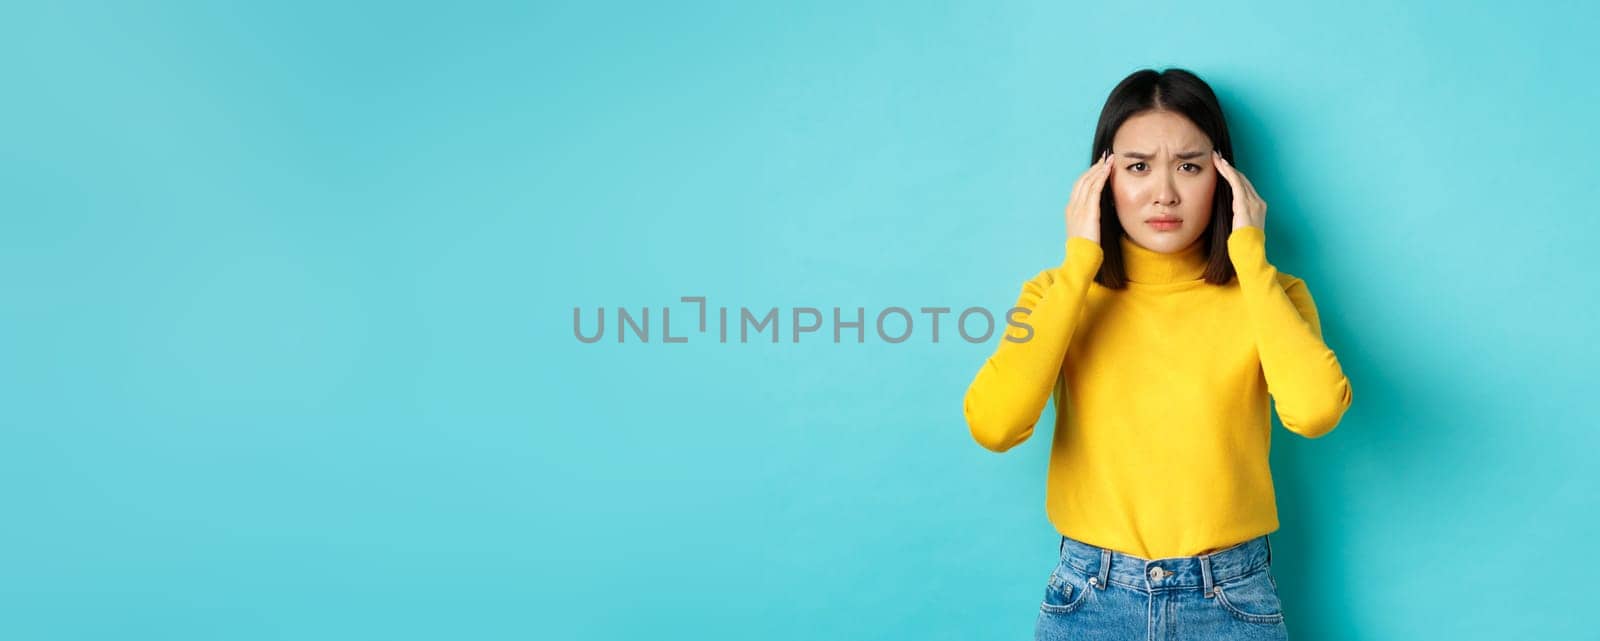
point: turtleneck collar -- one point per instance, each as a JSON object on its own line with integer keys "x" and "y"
{"x": 1150, "y": 266}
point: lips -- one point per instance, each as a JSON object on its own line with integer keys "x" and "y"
{"x": 1164, "y": 223}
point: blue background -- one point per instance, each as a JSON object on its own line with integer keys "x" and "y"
{"x": 287, "y": 327}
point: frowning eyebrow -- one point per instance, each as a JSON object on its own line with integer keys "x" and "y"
{"x": 1185, "y": 155}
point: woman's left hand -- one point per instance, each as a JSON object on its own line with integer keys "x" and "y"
{"x": 1248, "y": 208}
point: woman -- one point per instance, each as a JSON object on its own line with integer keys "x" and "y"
{"x": 1159, "y": 337}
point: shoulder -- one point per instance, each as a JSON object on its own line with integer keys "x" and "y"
{"x": 1297, "y": 290}
{"x": 1035, "y": 286}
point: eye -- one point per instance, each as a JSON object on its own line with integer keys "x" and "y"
{"x": 1137, "y": 164}
{"x": 1190, "y": 164}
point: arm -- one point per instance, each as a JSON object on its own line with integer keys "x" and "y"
{"x": 1303, "y": 375}
{"x": 1010, "y": 391}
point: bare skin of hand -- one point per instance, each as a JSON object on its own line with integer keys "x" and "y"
{"x": 1083, "y": 209}
{"x": 1248, "y": 208}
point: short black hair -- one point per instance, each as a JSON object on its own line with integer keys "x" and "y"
{"x": 1182, "y": 92}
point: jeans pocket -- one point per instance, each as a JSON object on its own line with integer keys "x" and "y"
{"x": 1065, "y": 591}
{"x": 1252, "y": 598}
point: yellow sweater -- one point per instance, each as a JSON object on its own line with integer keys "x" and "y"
{"x": 1162, "y": 418}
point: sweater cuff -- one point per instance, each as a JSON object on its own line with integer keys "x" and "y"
{"x": 1247, "y": 247}
{"x": 1083, "y": 256}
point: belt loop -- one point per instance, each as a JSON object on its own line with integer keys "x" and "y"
{"x": 1061, "y": 547}
{"x": 1105, "y": 567}
{"x": 1205, "y": 574}
{"x": 1268, "y": 537}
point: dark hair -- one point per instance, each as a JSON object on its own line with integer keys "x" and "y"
{"x": 1182, "y": 92}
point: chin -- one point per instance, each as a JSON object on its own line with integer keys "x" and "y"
{"x": 1164, "y": 241}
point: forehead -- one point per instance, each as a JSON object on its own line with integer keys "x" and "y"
{"x": 1154, "y": 130}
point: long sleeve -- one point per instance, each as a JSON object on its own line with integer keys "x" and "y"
{"x": 1010, "y": 390}
{"x": 1303, "y": 375}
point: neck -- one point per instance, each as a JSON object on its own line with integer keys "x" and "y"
{"x": 1150, "y": 266}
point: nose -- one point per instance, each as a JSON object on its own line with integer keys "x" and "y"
{"x": 1167, "y": 193}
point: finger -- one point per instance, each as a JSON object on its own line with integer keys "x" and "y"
{"x": 1099, "y": 168}
{"x": 1098, "y": 181}
{"x": 1248, "y": 189}
{"x": 1082, "y": 187}
{"x": 1077, "y": 188}
{"x": 1244, "y": 191}
{"x": 1105, "y": 176}
{"x": 1087, "y": 176}
{"x": 1249, "y": 186}
{"x": 1077, "y": 191}
{"x": 1230, "y": 175}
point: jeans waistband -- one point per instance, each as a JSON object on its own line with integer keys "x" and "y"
{"x": 1201, "y": 571}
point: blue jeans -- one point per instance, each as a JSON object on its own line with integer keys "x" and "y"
{"x": 1101, "y": 594}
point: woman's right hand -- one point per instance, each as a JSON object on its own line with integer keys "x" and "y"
{"x": 1083, "y": 210}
